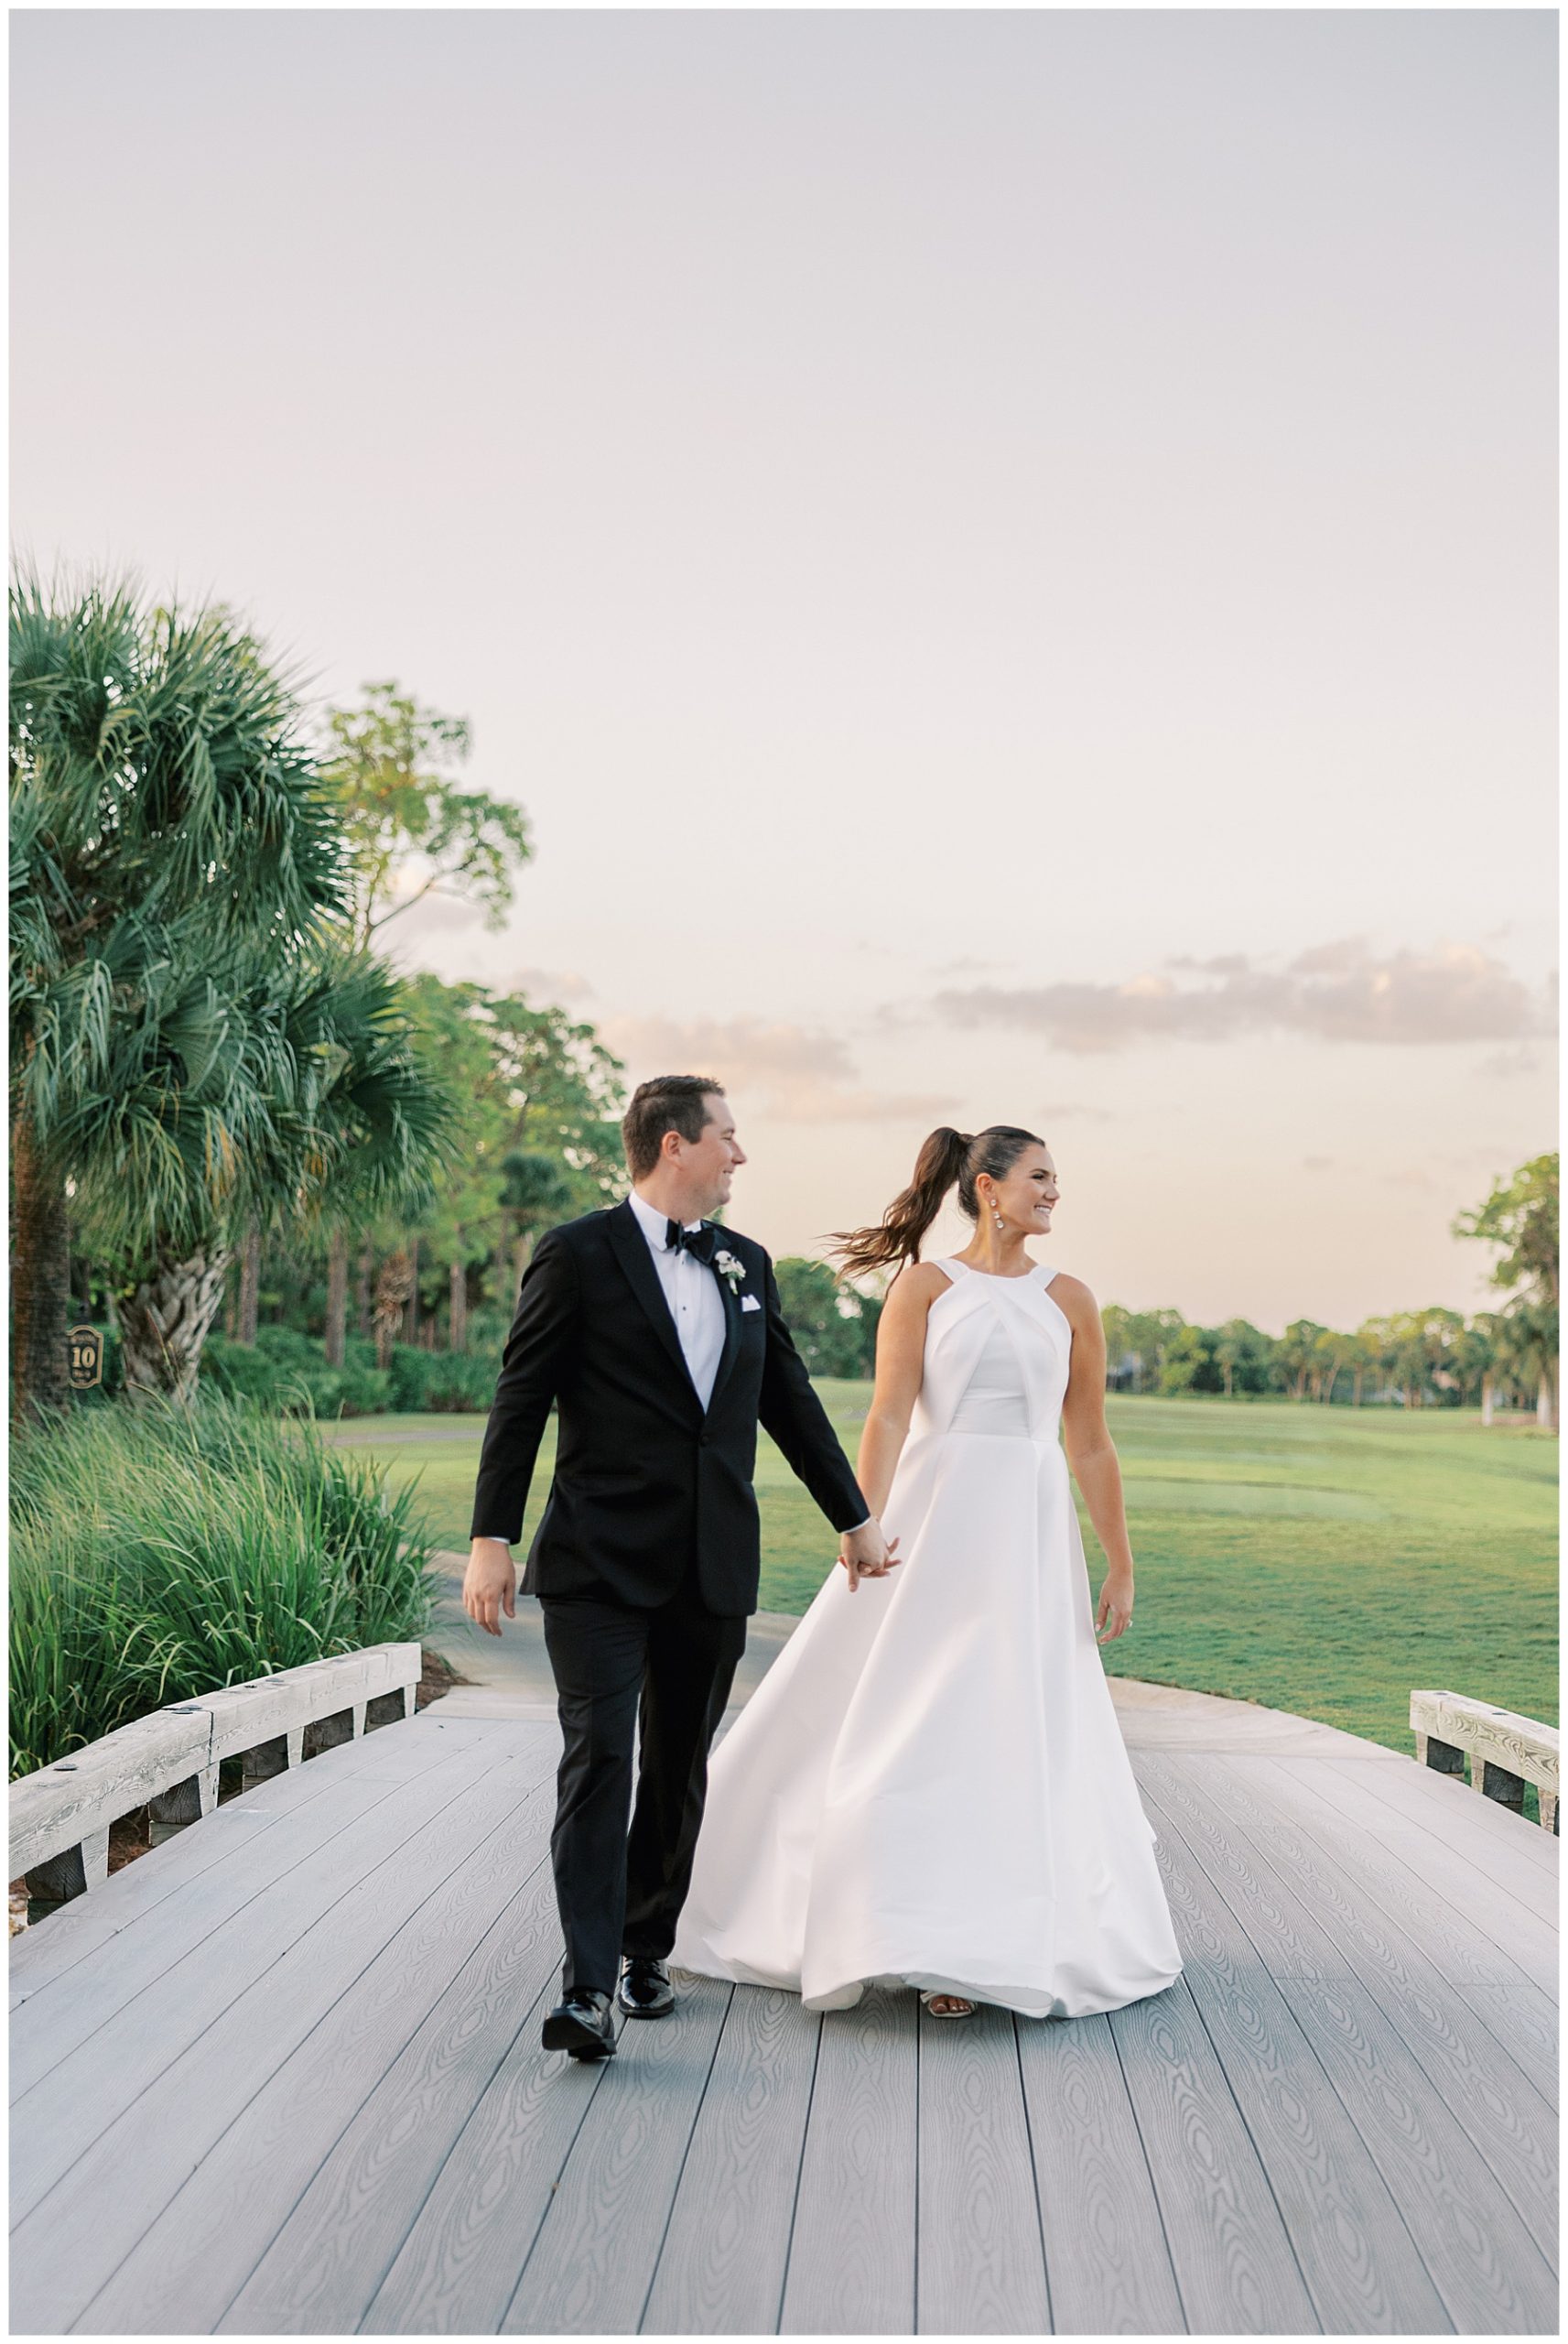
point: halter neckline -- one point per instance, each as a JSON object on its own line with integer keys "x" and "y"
{"x": 1002, "y": 1278}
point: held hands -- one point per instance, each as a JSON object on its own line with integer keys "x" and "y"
{"x": 1115, "y": 1612}
{"x": 490, "y": 1584}
{"x": 866, "y": 1554}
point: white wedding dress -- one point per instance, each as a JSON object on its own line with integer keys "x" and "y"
{"x": 930, "y": 1788}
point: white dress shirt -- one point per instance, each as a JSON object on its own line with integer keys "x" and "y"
{"x": 691, "y": 1289}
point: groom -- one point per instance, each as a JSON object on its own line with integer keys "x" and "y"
{"x": 660, "y": 1339}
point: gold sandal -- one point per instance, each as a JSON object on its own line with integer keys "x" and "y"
{"x": 963, "y": 2007}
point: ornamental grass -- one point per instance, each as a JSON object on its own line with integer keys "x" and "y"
{"x": 159, "y": 1553}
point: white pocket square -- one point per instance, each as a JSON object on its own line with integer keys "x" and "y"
{"x": 750, "y": 1302}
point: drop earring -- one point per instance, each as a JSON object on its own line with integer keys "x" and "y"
{"x": 997, "y": 1219}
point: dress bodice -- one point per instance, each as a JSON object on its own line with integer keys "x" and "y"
{"x": 996, "y": 1355}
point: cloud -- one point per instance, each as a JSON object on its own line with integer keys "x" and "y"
{"x": 553, "y": 984}
{"x": 796, "y": 1072}
{"x": 1504, "y": 1064}
{"x": 1339, "y": 992}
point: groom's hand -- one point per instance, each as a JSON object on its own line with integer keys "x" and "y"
{"x": 866, "y": 1554}
{"x": 490, "y": 1584}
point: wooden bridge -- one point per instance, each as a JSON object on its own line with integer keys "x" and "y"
{"x": 281, "y": 2074}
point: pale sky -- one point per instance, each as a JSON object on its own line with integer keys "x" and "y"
{"x": 1010, "y": 558}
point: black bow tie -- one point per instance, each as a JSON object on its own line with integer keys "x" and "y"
{"x": 699, "y": 1241}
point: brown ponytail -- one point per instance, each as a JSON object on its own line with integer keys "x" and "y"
{"x": 947, "y": 1157}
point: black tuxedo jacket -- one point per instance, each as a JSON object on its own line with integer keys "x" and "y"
{"x": 646, "y": 1482}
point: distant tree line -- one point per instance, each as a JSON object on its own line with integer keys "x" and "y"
{"x": 1505, "y": 1359}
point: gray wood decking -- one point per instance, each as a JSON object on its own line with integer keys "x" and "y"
{"x": 282, "y": 2075}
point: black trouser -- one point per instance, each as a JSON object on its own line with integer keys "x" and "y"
{"x": 666, "y": 1672}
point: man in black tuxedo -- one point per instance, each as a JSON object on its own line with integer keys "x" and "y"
{"x": 660, "y": 1339}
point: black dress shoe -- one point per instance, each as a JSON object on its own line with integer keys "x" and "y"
{"x": 644, "y": 1990}
{"x": 581, "y": 2025}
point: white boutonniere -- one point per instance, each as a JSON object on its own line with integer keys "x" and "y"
{"x": 729, "y": 1268}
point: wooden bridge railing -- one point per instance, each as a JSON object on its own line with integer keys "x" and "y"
{"x": 60, "y": 1815}
{"x": 1505, "y": 1750}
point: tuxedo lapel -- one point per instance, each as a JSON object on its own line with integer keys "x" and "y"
{"x": 632, "y": 1252}
{"x": 732, "y": 1338}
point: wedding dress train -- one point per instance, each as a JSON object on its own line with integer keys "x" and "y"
{"x": 930, "y": 1788}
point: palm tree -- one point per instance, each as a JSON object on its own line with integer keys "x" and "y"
{"x": 168, "y": 827}
{"x": 343, "y": 1118}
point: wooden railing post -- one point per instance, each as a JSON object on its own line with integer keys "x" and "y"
{"x": 169, "y": 1761}
{"x": 1505, "y": 1750}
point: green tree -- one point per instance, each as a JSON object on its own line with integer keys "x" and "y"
{"x": 1521, "y": 1217}
{"x": 1299, "y": 1358}
{"x": 1137, "y": 1342}
{"x": 1365, "y": 1360}
{"x": 168, "y": 833}
{"x": 534, "y": 1139}
{"x": 833, "y": 1324}
{"x": 535, "y": 1193}
{"x": 390, "y": 763}
{"x": 1190, "y": 1362}
{"x": 1244, "y": 1356}
{"x": 1336, "y": 1354}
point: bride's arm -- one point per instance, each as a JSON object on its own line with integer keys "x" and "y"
{"x": 901, "y": 1358}
{"x": 1091, "y": 1452}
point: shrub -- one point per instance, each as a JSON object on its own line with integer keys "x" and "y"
{"x": 447, "y": 1383}
{"x": 164, "y": 1553}
{"x": 285, "y": 1370}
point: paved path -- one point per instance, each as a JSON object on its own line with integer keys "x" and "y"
{"x": 282, "y": 2075}
{"x": 510, "y": 1674}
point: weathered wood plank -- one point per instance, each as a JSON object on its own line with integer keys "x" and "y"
{"x": 81, "y": 2156}
{"x": 722, "y": 2269}
{"x": 594, "y": 2257}
{"x": 1481, "y": 2257}
{"x": 1525, "y": 2023}
{"x": 53, "y": 2028}
{"x": 244, "y": 1715}
{"x": 1517, "y": 1855}
{"x": 89, "y": 1995}
{"x": 1361, "y": 2267}
{"x": 76, "y": 1932}
{"x": 1232, "y": 2256}
{"x": 256, "y": 2198}
{"x": 1395, "y": 1860}
{"x": 1486, "y": 1938}
{"x": 851, "y": 2261}
{"x": 1522, "y": 1746}
{"x": 979, "y": 2262}
{"x": 1106, "y": 2262}
{"x": 1481, "y": 2260}
{"x": 1493, "y": 2098}
{"x": 60, "y": 1805}
{"x": 472, "y": 2230}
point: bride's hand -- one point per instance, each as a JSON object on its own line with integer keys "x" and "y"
{"x": 866, "y": 1554}
{"x": 1115, "y": 1612}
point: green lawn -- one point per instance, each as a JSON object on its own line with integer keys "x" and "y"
{"x": 1314, "y": 1559}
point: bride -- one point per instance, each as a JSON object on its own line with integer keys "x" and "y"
{"x": 930, "y": 1788}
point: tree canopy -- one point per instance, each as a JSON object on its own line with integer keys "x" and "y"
{"x": 410, "y": 829}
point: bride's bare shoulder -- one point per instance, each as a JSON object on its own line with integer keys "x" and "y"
{"x": 916, "y": 1286}
{"x": 1073, "y": 1297}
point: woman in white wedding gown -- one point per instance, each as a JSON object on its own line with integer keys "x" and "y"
{"x": 930, "y": 1788}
